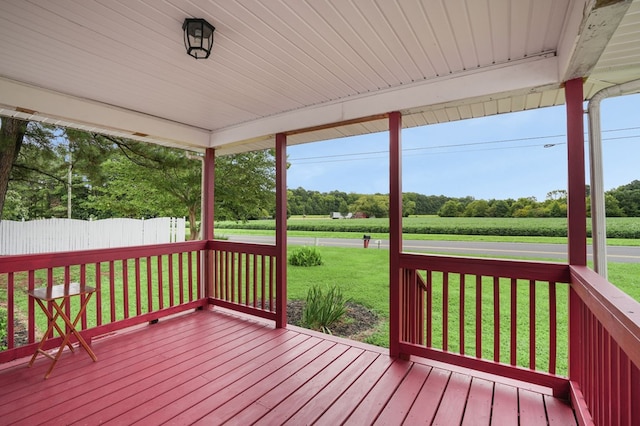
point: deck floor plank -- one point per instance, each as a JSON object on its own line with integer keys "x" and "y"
{"x": 319, "y": 404}
{"x": 558, "y": 413}
{"x": 479, "y": 402}
{"x": 281, "y": 409}
{"x": 451, "y": 407}
{"x": 428, "y": 400}
{"x": 370, "y": 407}
{"x": 338, "y": 412}
{"x": 400, "y": 403}
{"x": 213, "y": 365}
{"x": 505, "y": 405}
{"x": 531, "y": 406}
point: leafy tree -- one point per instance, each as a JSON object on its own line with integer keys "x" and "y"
{"x": 477, "y": 208}
{"x": 451, "y": 208}
{"x": 498, "y": 208}
{"x": 372, "y": 205}
{"x": 611, "y": 206}
{"x": 245, "y": 185}
{"x": 628, "y": 197}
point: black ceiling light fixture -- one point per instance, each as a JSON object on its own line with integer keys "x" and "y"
{"x": 198, "y": 37}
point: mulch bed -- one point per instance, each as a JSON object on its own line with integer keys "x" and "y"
{"x": 358, "y": 323}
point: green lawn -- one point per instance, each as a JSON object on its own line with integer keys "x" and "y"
{"x": 363, "y": 276}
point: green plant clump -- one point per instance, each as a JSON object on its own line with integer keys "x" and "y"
{"x": 305, "y": 256}
{"x": 322, "y": 310}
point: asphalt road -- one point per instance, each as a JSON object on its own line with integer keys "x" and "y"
{"x": 621, "y": 254}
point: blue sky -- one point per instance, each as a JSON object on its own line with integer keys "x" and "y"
{"x": 500, "y": 157}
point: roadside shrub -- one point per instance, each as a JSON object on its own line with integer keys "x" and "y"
{"x": 305, "y": 256}
{"x": 323, "y": 309}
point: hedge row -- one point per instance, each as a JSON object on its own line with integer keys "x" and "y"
{"x": 530, "y": 228}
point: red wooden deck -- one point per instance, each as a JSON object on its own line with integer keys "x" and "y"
{"x": 212, "y": 367}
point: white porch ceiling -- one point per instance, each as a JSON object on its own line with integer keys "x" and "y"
{"x": 120, "y": 67}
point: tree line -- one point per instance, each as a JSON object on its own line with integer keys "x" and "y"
{"x": 43, "y": 167}
{"x": 619, "y": 202}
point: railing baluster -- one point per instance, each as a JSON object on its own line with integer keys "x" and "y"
{"x": 149, "y": 286}
{"x": 49, "y": 285}
{"x": 553, "y": 318}
{"x": 532, "y": 325}
{"x": 66, "y": 281}
{"x": 83, "y": 281}
{"x": 181, "y": 276}
{"x": 429, "y": 309}
{"x": 198, "y": 284}
{"x": 496, "y": 319}
{"x": 190, "y": 274}
{"x": 420, "y": 318}
{"x": 240, "y": 287}
{"x": 251, "y": 261}
{"x": 160, "y": 280}
{"x": 171, "y": 281}
{"x": 232, "y": 275}
{"x": 125, "y": 288}
{"x": 625, "y": 389}
{"x": 32, "y": 312}
{"x": 478, "y": 316}
{"x": 514, "y": 321}
{"x": 256, "y": 294}
{"x": 462, "y": 319}
{"x": 98, "y": 294}
{"x": 138, "y": 287}
{"x": 272, "y": 272}
{"x": 10, "y": 310}
{"x": 112, "y": 291}
{"x": 614, "y": 354}
{"x": 445, "y": 311}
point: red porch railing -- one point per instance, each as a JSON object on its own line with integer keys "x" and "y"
{"x": 135, "y": 285}
{"x": 604, "y": 350}
{"x": 485, "y": 314}
{"x": 244, "y": 277}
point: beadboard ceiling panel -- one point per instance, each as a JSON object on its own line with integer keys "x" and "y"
{"x": 120, "y": 67}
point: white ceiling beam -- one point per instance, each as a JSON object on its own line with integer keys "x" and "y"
{"x": 532, "y": 72}
{"x": 587, "y": 32}
{"x": 43, "y": 103}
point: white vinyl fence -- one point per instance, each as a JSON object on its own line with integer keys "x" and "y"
{"x": 50, "y": 235}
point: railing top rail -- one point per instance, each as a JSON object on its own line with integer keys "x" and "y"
{"x": 519, "y": 269}
{"x": 261, "y": 249}
{"x": 618, "y": 312}
{"x": 18, "y": 263}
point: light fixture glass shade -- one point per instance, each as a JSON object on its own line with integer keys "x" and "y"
{"x": 198, "y": 37}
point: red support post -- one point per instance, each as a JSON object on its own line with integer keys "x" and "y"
{"x": 577, "y": 207}
{"x": 395, "y": 230}
{"x": 206, "y": 223}
{"x": 577, "y": 214}
{"x": 281, "y": 230}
